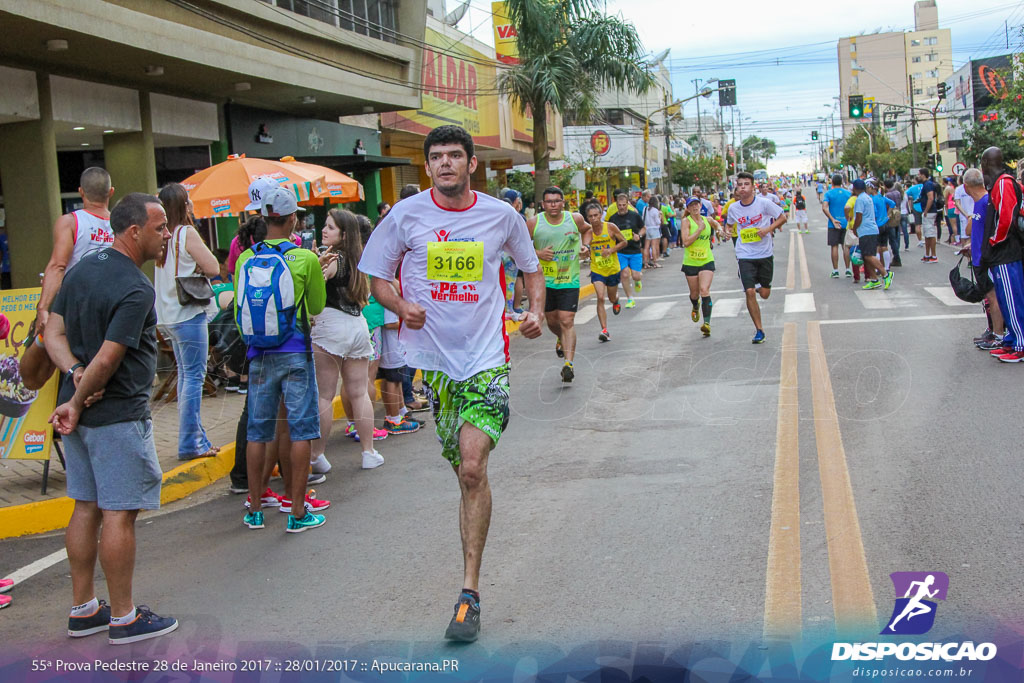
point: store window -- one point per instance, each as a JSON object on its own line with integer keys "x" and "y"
{"x": 916, "y": 60}
{"x": 915, "y": 42}
{"x": 373, "y": 18}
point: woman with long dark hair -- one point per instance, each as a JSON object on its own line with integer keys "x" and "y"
{"x": 185, "y": 254}
{"x": 341, "y": 339}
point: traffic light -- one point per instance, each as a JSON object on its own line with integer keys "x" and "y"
{"x": 856, "y": 106}
{"x": 726, "y": 92}
{"x": 937, "y": 162}
{"x": 814, "y": 135}
{"x": 942, "y": 90}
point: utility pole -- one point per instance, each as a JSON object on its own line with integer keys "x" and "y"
{"x": 741, "y": 142}
{"x": 668, "y": 149}
{"x": 913, "y": 124}
{"x": 700, "y": 140}
{"x": 725, "y": 160}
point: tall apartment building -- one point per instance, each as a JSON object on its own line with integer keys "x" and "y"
{"x": 897, "y": 68}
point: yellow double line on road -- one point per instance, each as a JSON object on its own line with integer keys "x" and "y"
{"x": 852, "y": 598}
{"x": 796, "y": 244}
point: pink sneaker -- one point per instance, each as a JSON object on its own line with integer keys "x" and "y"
{"x": 6, "y": 585}
{"x": 312, "y": 504}
{"x": 378, "y": 434}
{"x": 5, "y": 600}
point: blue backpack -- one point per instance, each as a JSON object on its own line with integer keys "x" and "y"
{"x": 267, "y": 308}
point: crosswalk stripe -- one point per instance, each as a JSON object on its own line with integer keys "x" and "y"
{"x": 800, "y": 303}
{"x": 946, "y": 296}
{"x": 585, "y": 315}
{"x": 655, "y": 311}
{"x": 872, "y": 300}
{"x": 726, "y": 308}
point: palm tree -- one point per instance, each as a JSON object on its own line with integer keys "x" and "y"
{"x": 568, "y": 53}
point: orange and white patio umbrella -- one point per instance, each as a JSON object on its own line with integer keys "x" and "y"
{"x": 223, "y": 189}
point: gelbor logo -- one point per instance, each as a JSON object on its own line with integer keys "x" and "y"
{"x": 220, "y": 205}
{"x": 34, "y": 441}
{"x": 914, "y": 611}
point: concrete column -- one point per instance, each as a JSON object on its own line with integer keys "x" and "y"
{"x": 130, "y": 158}
{"x": 28, "y": 167}
{"x": 372, "y": 193}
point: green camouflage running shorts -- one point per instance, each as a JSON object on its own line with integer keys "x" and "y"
{"x": 481, "y": 400}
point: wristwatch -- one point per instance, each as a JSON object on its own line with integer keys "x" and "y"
{"x": 71, "y": 370}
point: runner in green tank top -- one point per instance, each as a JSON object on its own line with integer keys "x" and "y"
{"x": 698, "y": 260}
{"x": 560, "y": 238}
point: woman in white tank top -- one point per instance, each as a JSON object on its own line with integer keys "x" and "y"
{"x": 185, "y": 254}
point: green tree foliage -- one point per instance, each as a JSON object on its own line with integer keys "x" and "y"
{"x": 569, "y": 51}
{"x": 702, "y": 171}
{"x": 980, "y": 136}
{"x": 755, "y": 148}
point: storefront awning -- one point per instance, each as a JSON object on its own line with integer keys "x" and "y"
{"x": 356, "y": 163}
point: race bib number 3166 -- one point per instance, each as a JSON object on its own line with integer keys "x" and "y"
{"x": 455, "y": 261}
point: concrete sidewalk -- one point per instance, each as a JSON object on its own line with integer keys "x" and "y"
{"x": 24, "y": 510}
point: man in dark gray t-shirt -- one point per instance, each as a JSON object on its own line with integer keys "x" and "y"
{"x": 101, "y": 335}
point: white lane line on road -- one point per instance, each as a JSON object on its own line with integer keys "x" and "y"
{"x": 946, "y": 296}
{"x": 800, "y": 303}
{"x": 805, "y": 274}
{"x": 853, "y": 601}
{"x": 655, "y": 311}
{"x": 714, "y": 293}
{"x": 726, "y": 308}
{"x": 782, "y": 602}
{"x": 28, "y": 571}
{"x": 909, "y": 318}
{"x": 791, "y": 263}
{"x": 871, "y": 301}
{"x": 585, "y": 315}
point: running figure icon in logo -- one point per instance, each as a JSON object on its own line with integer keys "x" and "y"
{"x": 919, "y": 590}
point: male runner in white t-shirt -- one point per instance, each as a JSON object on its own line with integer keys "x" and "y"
{"x": 756, "y": 220}
{"x": 76, "y": 234}
{"x": 448, "y": 242}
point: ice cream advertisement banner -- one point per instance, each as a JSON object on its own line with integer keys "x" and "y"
{"x": 25, "y": 433}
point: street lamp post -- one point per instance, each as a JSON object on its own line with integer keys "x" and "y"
{"x": 706, "y": 92}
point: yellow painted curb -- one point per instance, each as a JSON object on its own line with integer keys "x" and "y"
{"x": 183, "y": 480}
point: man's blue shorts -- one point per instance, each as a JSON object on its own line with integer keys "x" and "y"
{"x": 288, "y": 377}
{"x": 634, "y": 262}
{"x": 608, "y": 280}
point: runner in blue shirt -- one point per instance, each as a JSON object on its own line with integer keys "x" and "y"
{"x": 834, "y": 208}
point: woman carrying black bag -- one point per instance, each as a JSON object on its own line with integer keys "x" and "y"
{"x": 185, "y": 262}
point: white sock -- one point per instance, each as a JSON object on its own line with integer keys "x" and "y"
{"x": 886, "y": 259}
{"x": 121, "y": 621}
{"x": 393, "y": 418}
{"x": 86, "y": 609}
{"x": 403, "y": 411}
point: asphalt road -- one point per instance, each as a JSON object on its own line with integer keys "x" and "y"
{"x": 638, "y": 502}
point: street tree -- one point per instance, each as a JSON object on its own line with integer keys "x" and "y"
{"x": 758, "y": 148}
{"x": 568, "y": 53}
{"x": 982, "y": 135}
{"x": 700, "y": 171}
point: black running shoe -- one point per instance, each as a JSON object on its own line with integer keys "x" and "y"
{"x": 986, "y": 337}
{"x": 558, "y": 349}
{"x": 465, "y": 623}
{"x": 567, "y": 373}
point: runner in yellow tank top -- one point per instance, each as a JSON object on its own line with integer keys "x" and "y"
{"x": 604, "y": 263}
{"x": 699, "y": 260}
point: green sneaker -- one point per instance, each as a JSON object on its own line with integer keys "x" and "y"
{"x": 872, "y": 284}
{"x": 254, "y": 520}
{"x": 630, "y": 303}
{"x": 296, "y": 525}
{"x": 639, "y": 286}
{"x": 888, "y": 279}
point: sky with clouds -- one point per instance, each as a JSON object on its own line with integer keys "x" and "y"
{"x": 782, "y": 54}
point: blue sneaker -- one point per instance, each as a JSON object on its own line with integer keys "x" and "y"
{"x": 296, "y": 525}
{"x": 146, "y": 625}
{"x": 405, "y": 426}
{"x": 758, "y": 338}
{"x": 79, "y": 627}
{"x": 254, "y": 520}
